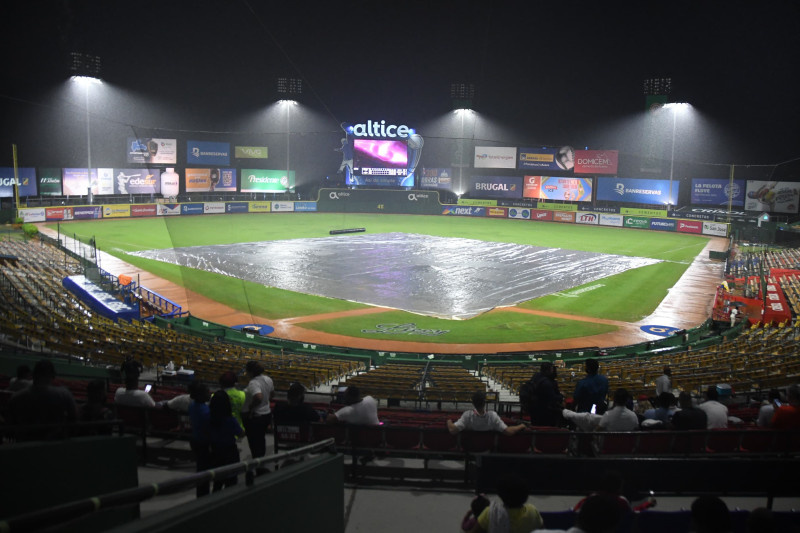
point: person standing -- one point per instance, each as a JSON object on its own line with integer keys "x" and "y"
{"x": 591, "y": 390}
{"x": 664, "y": 382}
{"x": 199, "y": 441}
{"x": 223, "y": 432}
{"x": 544, "y": 399}
{"x": 256, "y": 411}
{"x": 227, "y": 382}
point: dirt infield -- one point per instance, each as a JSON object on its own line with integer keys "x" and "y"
{"x": 687, "y": 305}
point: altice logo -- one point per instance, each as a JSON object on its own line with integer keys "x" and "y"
{"x": 380, "y": 129}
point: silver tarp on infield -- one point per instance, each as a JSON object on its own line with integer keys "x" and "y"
{"x": 437, "y": 276}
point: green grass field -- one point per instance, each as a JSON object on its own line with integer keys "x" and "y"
{"x": 627, "y": 297}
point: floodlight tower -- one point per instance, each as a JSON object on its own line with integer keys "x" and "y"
{"x": 85, "y": 69}
{"x": 462, "y": 99}
{"x": 289, "y": 92}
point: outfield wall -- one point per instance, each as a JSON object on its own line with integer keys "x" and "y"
{"x": 408, "y": 202}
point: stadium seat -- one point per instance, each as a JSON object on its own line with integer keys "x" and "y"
{"x": 616, "y": 443}
{"x": 518, "y": 443}
{"x": 478, "y": 441}
{"x": 551, "y": 440}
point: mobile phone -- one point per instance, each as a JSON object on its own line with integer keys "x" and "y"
{"x": 778, "y": 403}
{"x": 147, "y": 387}
{"x": 594, "y": 409}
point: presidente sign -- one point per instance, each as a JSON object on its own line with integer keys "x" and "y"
{"x": 381, "y": 129}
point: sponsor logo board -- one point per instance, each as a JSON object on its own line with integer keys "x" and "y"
{"x": 260, "y": 207}
{"x": 143, "y": 210}
{"x": 516, "y": 212}
{"x": 116, "y": 211}
{"x": 282, "y": 207}
{"x": 587, "y": 218}
{"x": 607, "y": 219}
{"x": 715, "y": 228}
{"x": 168, "y": 209}
{"x": 563, "y": 216}
{"x": 32, "y": 215}
{"x": 539, "y": 214}
{"x": 663, "y": 224}
{"x": 213, "y": 208}
{"x": 690, "y": 226}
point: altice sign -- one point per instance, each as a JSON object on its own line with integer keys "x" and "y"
{"x": 381, "y": 129}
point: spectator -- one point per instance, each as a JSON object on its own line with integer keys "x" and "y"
{"x": 131, "y": 368}
{"x": 716, "y": 413}
{"x": 581, "y": 421}
{"x": 710, "y": 515}
{"x": 476, "y": 507}
{"x": 511, "y": 514}
{"x": 619, "y": 418}
{"x": 130, "y": 394}
{"x": 256, "y": 411}
{"x": 664, "y": 382}
{"x": 357, "y": 410}
{"x": 664, "y": 411}
{"x": 23, "y": 379}
{"x": 228, "y": 383}
{"x": 479, "y": 419}
{"x": 591, "y": 390}
{"x": 224, "y": 430}
{"x": 180, "y": 402}
{"x": 96, "y": 409}
{"x": 199, "y": 416}
{"x": 43, "y": 402}
{"x": 611, "y": 484}
{"x": 767, "y": 408}
{"x": 787, "y": 416}
{"x": 544, "y": 400}
{"x": 688, "y": 416}
{"x": 295, "y": 411}
{"x": 761, "y": 520}
{"x": 600, "y": 513}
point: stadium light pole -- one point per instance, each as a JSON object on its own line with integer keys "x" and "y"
{"x": 462, "y": 98}
{"x": 675, "y": 107}
{"x": 289, "y": 91}
{"x": 86, "y": 72}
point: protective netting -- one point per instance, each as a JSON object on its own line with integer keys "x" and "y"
{"x": 436, "y": 276}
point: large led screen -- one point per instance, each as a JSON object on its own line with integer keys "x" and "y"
{"x": 558, "y": 188}
{"x": 380, "y": 163}
{"x": 772, "y": 196}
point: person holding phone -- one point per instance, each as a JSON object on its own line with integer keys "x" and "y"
{"x": 130, "y": 394}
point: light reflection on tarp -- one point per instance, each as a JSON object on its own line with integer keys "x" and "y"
{"x": 437, "y": 276}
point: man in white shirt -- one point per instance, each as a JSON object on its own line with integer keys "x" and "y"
{"x": 256, "y": 412}
{"x": 359, "y": 411}
{"x": 716, "y": 413}
{"x": 131, "y": 395}
{"x": 479, "y": 419}
{"x": 619, "y": 418}
{"x": 664, "y": 382}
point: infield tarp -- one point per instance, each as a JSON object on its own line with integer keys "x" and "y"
{"x": 436, "y": 276}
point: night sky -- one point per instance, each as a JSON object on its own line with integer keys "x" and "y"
{"x": 546, "y": 73}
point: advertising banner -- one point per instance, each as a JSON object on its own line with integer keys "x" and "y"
{"x": 496, "y": 186}
{"x": 690, "y": 214}
{"x": 636, "y": 222}
{"x": 477, "y": 201}
{"x": 643, "y": 212}
{"x": 516, "y": 212}
{"x": 236, "y": 207}
{"x": 525, "y": 204}
{"x": 495, "y": 157}
{"x": 546, "y": 158}
{"x": 607, "y": 219}
{"x": 192, "y": 209}
{"x": 143, "y": 210}
{"x": 154, "y": 151}
{"x": 210, "y": 179}
{"x": 690, "y": 226}
{"x": 717, "y": 192}
{"x": 538, "y": 214}
{"x": 251, "y": 152}
{"x": 587, "y": 218}
{"x": 167, "y": 210}
{"x": 26, "y": 181}
{"x": 557, "y": 188}
{"x": 58, "y": 213}
{"x": 466, "y": 211}
{"x": 599, "y": 208}
{"x": 596, "y": 161}
{"x": 436, "y": 178}
{"x": 260, "y": 207}
{"x": 776, "y": 309}
{"x": 414, "y": 202}
{"x": 663, "y": 224}
{"x": 213, "y": 208}
{"x": 116, "y": 211}
{"x": 563, "y": 216}
{"x": 136, "y": 181}
{"x": 772, "y": 196}
{"x": 638, "y": 191}
{"x": 305, "y": 206}
{"x": 557, "y": 207}
{"x": 717, "y": 229}
{"x": 497, "y": 212}
{"x": 50, "y": 181}
{"x": 271, "y": 181}
{"x": 32, "y": 214}
{"x": 283, "y": 207}
{"x": 86, "y": 211}
{"x": 75, "y": 181}
{"x": 208, "y": 153}
{"x": 104, "y": 184}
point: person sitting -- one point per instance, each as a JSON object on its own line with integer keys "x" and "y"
{"x": 130, "y": 394}
{"x": 23, "y": 379}
{"x": 96, "y": 409}
{"x": 787, "y": 416}
{"x": 600, "y": 513}
{"x": 358, "y": 411}
{"x": 767, "y": 408}
{"x": 479, "y": 419}
{"x": 295, "y": 411}
{"x": 716, "y": 412}
{"x": 43, "y": 403}
{"x": 665, "y": 408}
{"x": 619, "y": 417}
{"x": 611, "y": 483}
{"x": 511, "y": 513}
{"x": 710, "y": 515}
{"x": 688, "y": 416}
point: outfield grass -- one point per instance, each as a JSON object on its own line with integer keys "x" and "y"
{"x": 629, "y": 296}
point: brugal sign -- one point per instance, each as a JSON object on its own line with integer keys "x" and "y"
{"x": 381, "y": 129}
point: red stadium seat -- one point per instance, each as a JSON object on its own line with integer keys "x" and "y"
{"x": 518, "y": 443}
{"x": 477, "y": 441}
{"x": 551, "y": 440}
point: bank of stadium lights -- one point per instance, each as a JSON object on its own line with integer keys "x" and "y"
{"x": 657, "y": 86}
{"x": 675, "y": 107}
{"x": 462, "y": 95}
{"x": 289, "y": 88}
{"x": 86, "y": 70}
